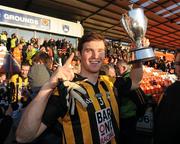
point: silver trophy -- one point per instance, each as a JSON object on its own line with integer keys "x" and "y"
{"x": 135, "y": 24}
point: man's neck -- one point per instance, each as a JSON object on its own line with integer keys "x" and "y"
{"x": 92, "y": 77}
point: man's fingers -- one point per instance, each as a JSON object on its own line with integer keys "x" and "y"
{"x": 69, "y": 60}
{"x": 145, "y": 42}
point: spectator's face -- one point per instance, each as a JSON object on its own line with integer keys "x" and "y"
{"x": 92, "y": 56}
{"x": 112, "y": 72}
{"x": 3, "y": 77}
{"x": 155, "y": 65}
{"x": 177, "y": 65}
{"x": 20, "y": 46}
{"x": 24, "y": 71}
{"x": 122, "y": 69}
{"x": 43, "y": 49}
{"x": 30, "y": 47}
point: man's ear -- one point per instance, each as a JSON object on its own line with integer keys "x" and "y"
{"x": 125, "y": 68}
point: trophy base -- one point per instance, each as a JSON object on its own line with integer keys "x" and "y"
{"x": 141, "y": 54}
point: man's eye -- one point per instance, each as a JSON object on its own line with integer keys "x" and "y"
{"x": 88, "y": 50}
{"x": 101, "y": 50}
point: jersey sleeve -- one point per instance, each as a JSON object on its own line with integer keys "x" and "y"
{"x": 55, "y": 108}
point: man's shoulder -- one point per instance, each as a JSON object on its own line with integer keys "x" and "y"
{"x": 14, "y": 76}
{"x": 126, "y": 75}
{"x": 107, "y": 78}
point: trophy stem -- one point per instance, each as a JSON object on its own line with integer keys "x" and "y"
{"x": 138, "y": 43}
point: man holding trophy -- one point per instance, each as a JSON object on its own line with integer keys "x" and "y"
{"x": 87, "y": 105}
{"x": 135, "y": 24}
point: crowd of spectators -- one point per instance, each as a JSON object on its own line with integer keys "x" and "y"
{"x": 116, "y": 52}
{"x": 35, "y": 64}
{"x": 162, "y": 64}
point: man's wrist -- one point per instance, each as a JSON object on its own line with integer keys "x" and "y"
{"x": 50, "y": 84}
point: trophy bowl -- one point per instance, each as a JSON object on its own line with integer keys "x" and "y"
{"x": 135, "y": 24}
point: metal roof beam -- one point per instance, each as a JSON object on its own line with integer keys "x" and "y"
{"x": 102, "y": 8}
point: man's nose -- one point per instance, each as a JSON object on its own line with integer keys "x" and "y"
{"x": 95, "y": 54}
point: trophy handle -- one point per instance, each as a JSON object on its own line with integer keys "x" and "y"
{"x": 125, "y": 20}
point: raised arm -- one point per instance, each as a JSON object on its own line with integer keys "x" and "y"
{"x": 30, "y": 126}
{"x": 136, "y": 73}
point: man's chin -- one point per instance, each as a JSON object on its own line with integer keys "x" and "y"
{"x": 95, "y": 71}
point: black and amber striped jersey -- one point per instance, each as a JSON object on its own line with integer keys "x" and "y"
{"x": 19, "y": 84}
{"x": 96, "y": 124}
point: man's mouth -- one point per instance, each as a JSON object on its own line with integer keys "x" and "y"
{"x": 94, "y": 61}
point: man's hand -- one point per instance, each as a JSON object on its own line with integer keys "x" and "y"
{"x": 145, "y": 42}
{"x": 63, "y": 73}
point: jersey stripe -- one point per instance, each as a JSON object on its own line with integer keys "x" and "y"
{"x": 91, "y": 109}
{"x": 115, "y": 110}
{"x": 85, "y": 124}
{"x": 68, "y": 130}
{"x": 76, "y": 125}
{"x": 99, "y": 96}
{"x": 113, "y": 100}
{"x": 91, "y": 93}
{"x": 104, "y": 97}
{"x": 113, "y": 141}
